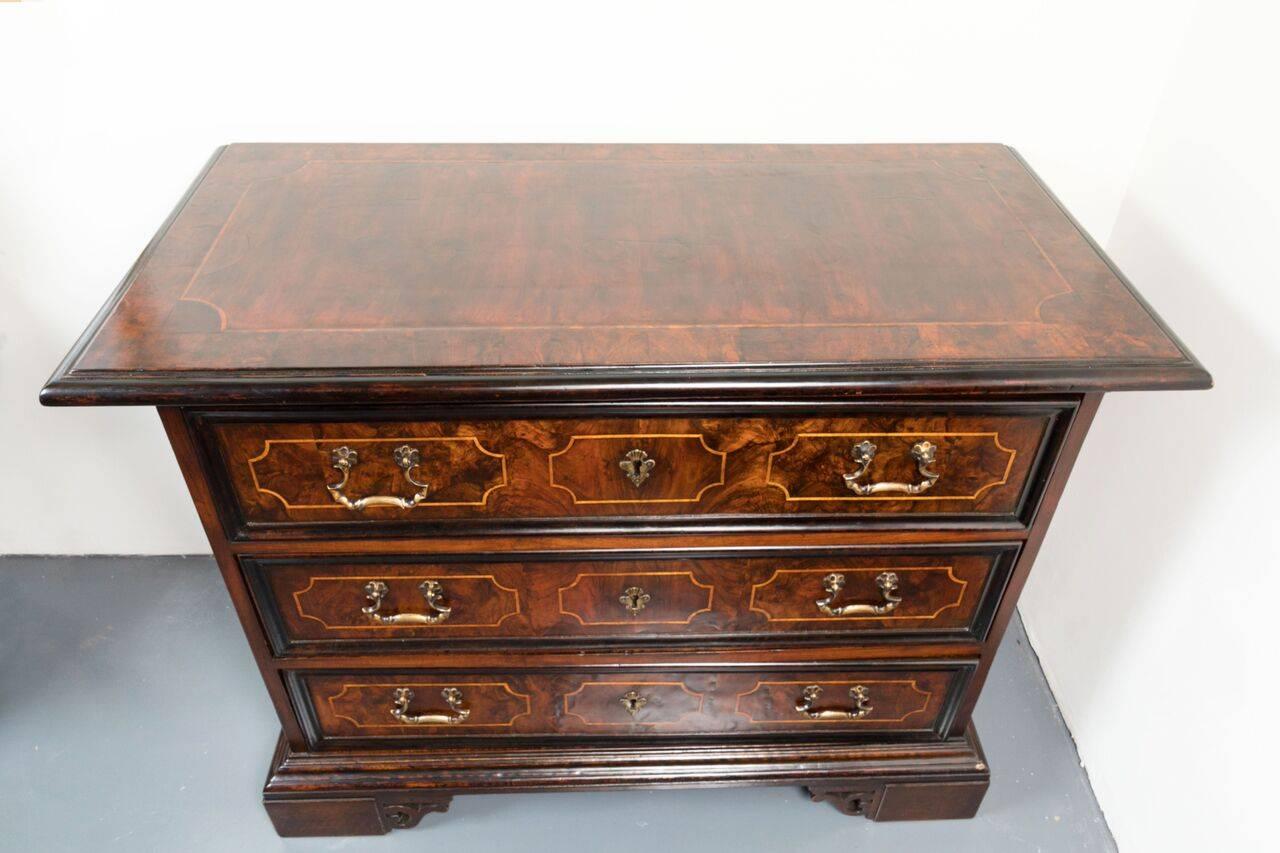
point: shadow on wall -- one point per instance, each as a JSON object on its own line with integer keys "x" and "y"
{"x": 1153, "y": 486}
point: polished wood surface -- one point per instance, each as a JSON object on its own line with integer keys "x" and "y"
{"x": 571, "y": 445}
{"x": 351, "y": 792}
{"x": 353, "y": 707}
{"x": 312, "y": 606}
{"x": 278, "y": 471}
{"x": 346, "y": 271}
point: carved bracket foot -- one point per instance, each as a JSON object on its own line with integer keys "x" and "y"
{"x": 907, "y": 800}
{"x": 325, "y": 816}
{"x": 853, "y": 802}
{"x": 406, "y": 815}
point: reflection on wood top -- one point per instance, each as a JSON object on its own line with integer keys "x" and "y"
{"x": 390, "y": 269}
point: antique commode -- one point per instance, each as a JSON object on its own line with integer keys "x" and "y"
{"x": 566, "y": 467}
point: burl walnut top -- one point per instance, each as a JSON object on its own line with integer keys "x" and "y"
{"x": 345, "y": 272}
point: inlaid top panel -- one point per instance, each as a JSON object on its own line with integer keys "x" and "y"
{"x": 400, "y": 264}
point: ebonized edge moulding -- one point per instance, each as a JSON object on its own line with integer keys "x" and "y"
{"x": 557, "y": 467}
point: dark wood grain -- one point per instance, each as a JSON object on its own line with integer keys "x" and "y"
{"x": 893, "y": 779}
{"x": 353, "y": 707}
{"x": 315, "y": 606}
{"x": 196, "y": 475}
{"x": 904, "y": 800}
{"x": 302, "y": 817}
{"x": 277, "y": 471}
{"x": 425, "y": 265}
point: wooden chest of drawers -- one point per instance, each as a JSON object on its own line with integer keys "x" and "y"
{"x": 551, "y": 467}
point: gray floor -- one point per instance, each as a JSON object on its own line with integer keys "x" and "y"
{"x": 132, "y": 718}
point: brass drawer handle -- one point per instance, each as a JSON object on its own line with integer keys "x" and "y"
{"x": 833, "y": 583}
{"x": 924, "y": 452}
{"x": 406, "y": 458}
{"x": 860, "y": 695}
{"x": 432, "y": 591}
{"x": 633, "y": 702}
{"x": 636, "y": 464}
{"x": 452, "y": 697}
{"x": 634, "y": 599}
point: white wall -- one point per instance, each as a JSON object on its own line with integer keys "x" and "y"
{"x": 1152, "y": 605}
{"x": 1152, "y": 130}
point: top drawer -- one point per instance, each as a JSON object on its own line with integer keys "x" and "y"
{"x": 287, "y": 474}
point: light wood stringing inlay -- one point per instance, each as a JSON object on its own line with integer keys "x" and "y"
{"x": 819, "y": 592}
{"x": 359, "y": 581}
{"x": 551, "y": 468}
{"x": 801, "y": 720}
{"x": 197, "y": 281}
{"x": 995, "y": 438}
{"x": 338, "y": 442}
{"x": 528, "y": 705}
{"x": 623, "y": 686}
{"x": 638, "y": 618}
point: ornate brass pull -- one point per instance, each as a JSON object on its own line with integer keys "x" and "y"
{"x": 452, "y": 697}
{"x": 860, "y": 695}
{"x": 406, "y": 458}
{"x": 634, "y": 599}
{"x": 633, "y": 702}
{"x": 924, "y": 452}
{"x": 432, "y": 591}
{"x": 637, "y": 465}
{"x": 833, "y": 583}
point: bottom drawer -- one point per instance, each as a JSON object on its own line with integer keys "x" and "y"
{"x": 361, "y": 708}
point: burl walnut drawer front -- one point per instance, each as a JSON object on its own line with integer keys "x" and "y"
{"x": 354, "y": 707}
{"x": 336, "y": 605}
{"x": 284, "y": 477}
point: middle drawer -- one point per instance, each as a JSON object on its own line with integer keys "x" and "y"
{"x": 339, "y": 605}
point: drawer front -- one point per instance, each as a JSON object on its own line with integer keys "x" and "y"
{"x": 282, "y": 477}
{"x": 349, "y": 708}
{"x": 335, "y": 605}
